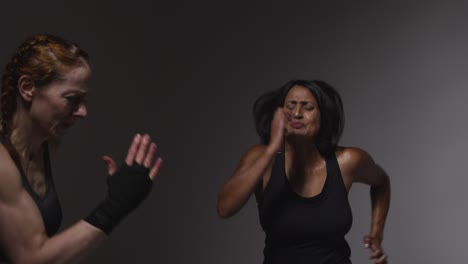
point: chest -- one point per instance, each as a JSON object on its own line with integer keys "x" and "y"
{"x": 38, "y": 184}
{"x": 36, "y": 178}
{"x": 305, "y": 205}
{"x": 306, "y": 182}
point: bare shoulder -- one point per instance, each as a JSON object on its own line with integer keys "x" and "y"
{"x": 358, "y": 166}
{"x": 21, "y": 224}
{"x": 352, "y": 157}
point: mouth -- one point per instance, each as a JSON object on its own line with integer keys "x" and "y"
{"x": 297, "y": 125}
{"x": 67, "y": 125}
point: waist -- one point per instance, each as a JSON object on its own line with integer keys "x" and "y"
{"x": 337, "y": 252}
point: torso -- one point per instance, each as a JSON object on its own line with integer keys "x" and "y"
{"x": 312, "y": 183}
{"x": 34, "y": 201}
{"x": 305, "y": 213}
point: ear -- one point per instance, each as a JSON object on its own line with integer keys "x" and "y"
{"x": 26, "y": 87}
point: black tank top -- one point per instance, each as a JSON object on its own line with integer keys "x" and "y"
{"x": 49, "y": 204}
{"x": 305, "y": 230}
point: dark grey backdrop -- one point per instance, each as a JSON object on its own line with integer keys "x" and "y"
{"x": 188, "y": 72}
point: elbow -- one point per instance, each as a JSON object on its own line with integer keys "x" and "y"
{"x": 384, "y": 183}
{"x": 223, "y": 209}
{"x": 222, "y": 214}
{"x": 381, "y": 189}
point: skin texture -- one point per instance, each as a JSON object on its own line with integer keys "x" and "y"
{"x": 296, "y": 124}
{"x": 44, "y": 114}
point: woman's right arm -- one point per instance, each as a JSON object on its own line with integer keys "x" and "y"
{"x": 22, "y": 233}
{"x": 24, "y": 239}
{"x": 237, "y": 189}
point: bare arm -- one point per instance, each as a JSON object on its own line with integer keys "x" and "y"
{"x": 237, "y": 189}
{"x": 361, "y": 168}
{"x": 22, "y": 233}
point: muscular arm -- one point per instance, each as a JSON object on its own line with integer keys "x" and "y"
{"x": 22, "y": 232}
{"x": 360, "y": 167}
{"x": 237, "y": 189}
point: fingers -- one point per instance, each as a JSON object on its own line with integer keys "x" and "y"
{"x": 142, "y": 151}
{"x": 367, "y": 241}
{"x": 111, "y": 166}
{"x": 132, "y": 150}
{"x": 281, "y": 116}
{"x": 287, "y": 114}
{"x": 377, "y": 253}
{"x": 277, "y": 130}
{"x": 381, "y": 260}
{"x": 155, "y": 169}
{"x": 379, "y": 256}
{"x": 371, "y": 243}
{"x": 150, "y": 155}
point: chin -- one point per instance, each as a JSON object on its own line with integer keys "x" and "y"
{"x": 57, "y": 133}
{"x": 300, "y": 135}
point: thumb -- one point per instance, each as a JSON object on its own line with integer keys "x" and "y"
{"x": 367, "y": 241}
{"x": 111, "y": 166}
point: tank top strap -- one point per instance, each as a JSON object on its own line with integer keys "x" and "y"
{"x": 46, "y": 158}
{"x": 334, "y": 172}
{"x": 48, "y": 205}
{"x": 277, "y": 182}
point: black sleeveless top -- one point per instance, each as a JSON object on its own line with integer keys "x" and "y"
{"x": 302, "y": 230}
{"x": 49, "y": 204}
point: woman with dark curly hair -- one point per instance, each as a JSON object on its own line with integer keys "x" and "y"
{"x": 44, "y": 87}
{"x": 301, "y": 178}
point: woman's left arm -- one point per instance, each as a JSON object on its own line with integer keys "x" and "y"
{"x": 360, "y": 167}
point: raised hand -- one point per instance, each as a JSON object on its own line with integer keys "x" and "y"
{"x": 128, "y": 185}
{"x": 142, "y": 152}
{"x": 277, "y": 130}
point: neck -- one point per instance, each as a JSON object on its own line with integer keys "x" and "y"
{"x": 25, "y": 136}
{"x": 302, "y": 151}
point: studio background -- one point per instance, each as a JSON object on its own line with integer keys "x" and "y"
{"x": 188, "y": 73}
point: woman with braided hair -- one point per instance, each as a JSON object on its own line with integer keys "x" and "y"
{"x": 44, "y": 87}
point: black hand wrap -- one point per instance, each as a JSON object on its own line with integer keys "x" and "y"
{"x": 127, "y": 188}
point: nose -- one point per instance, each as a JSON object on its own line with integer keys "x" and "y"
{"x": 297, "y": 111}
{"x": 81, "y": 111}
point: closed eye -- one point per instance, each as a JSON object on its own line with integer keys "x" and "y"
{"x": 308, "y": 106}
{"x": 290, "y": 105}
{"x": 75, "y": 100}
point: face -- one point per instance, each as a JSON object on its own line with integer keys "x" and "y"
{"x": 56, "y": 106}
{"x": 302, "y": 111}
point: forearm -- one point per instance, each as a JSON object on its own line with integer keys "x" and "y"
{"x": 237, "y": 190}
{"x": 380, "y": 199}
{"x": 22, "y": 235}
{"x": 70, "y": 246}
